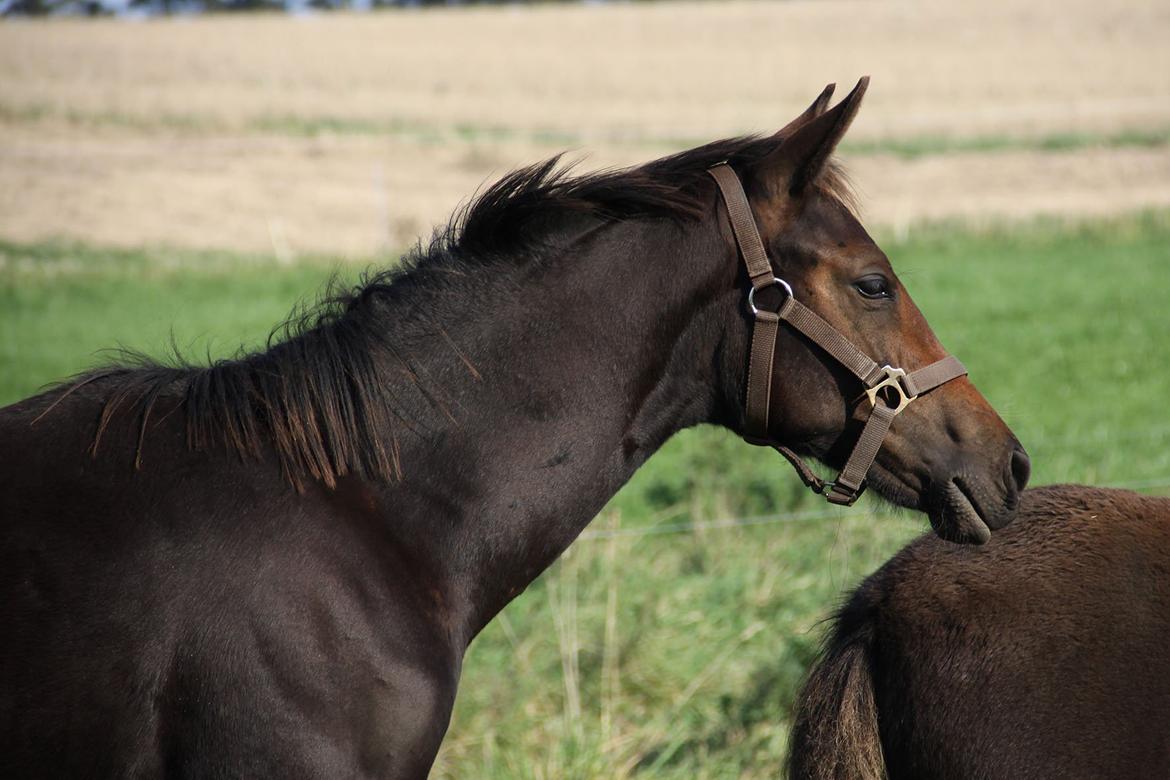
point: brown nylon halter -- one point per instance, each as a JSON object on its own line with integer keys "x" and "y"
{"x": 850, "y": 484}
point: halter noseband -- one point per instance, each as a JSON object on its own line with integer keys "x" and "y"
{"x": 850, "y": 484}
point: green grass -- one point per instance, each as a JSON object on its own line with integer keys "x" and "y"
{"x": 420, "y": 131}
{"x": 905, "y": 148}
{"x": 62, "y": 304}
{"x": 676, "y": 654}
{"x": 924, "y": 146}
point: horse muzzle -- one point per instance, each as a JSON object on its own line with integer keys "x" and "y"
{"x": 966, "y": 506}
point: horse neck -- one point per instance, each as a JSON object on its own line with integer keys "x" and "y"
{"x": 564, "y": 376}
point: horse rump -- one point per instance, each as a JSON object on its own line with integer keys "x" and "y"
{"x": 1044, "y": 654}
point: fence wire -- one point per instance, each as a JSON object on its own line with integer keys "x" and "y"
{"x": 666, "y": 529}
{"x": 1155, "y": 484}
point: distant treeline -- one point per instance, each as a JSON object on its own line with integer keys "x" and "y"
{"x": 138, "y": 8}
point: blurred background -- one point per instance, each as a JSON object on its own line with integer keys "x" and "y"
{"x": 166, "y": 172}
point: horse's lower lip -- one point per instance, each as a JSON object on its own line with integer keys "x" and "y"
{"x": 957, "y": 520}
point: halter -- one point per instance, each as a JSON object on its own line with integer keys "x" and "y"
{"x": 883, "y": 382}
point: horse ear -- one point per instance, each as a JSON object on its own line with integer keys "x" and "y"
{"x": 800, "y": 157}
{"x": 812, "y": 112}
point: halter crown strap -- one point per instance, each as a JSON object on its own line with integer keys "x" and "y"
{"x": 767, "y": 324}
{"x": 875, "y": 379}
{"x": 743, "y": 223}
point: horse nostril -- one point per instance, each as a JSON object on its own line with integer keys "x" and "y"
{"x": 1021, "y": 467}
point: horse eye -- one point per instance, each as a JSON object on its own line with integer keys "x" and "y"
{"x": 873, "y": 286}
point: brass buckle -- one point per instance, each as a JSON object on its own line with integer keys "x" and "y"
{"x": 893, "y": 379}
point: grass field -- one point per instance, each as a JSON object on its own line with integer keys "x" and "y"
{"x": 664, "y": 650}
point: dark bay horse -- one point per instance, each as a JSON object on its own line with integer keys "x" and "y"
{"x": 1044, "y": 654}
{"x": 273, "y": 565}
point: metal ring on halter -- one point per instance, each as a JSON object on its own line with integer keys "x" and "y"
{"x": 776, "y": 280}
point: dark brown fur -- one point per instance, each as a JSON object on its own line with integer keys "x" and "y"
{"x": 1042, "y": 654}
{"x": 315, "y": 395}
{"x": 169, "y": 605}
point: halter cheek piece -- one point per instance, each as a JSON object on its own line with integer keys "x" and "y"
{"x": 880, "y": 382}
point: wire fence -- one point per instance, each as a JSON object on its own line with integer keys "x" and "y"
{"x": 1154, "y": 484}
{"x": 666, "y": 529}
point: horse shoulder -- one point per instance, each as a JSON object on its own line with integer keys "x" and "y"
{"x": 251, "y": 609}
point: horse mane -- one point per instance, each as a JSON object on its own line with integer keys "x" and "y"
{"x": 316, "y": 395}
{"x": 524, "y": 205}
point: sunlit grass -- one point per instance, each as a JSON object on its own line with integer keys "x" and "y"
{"x": 316, "y": 124}
{"x": 677, "y": 654}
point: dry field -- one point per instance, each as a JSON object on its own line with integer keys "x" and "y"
{"x": 351, "y": 134}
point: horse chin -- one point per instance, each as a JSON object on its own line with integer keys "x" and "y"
{"x": 955, "y": 517}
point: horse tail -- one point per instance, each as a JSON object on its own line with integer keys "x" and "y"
{"x": 835, "y": 732}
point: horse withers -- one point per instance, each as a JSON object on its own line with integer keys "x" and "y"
{"x": 1043, "y": 654}
{"x": 273, "y": 565}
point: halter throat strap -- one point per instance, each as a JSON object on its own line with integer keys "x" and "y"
{"x": 888, "y": 389}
